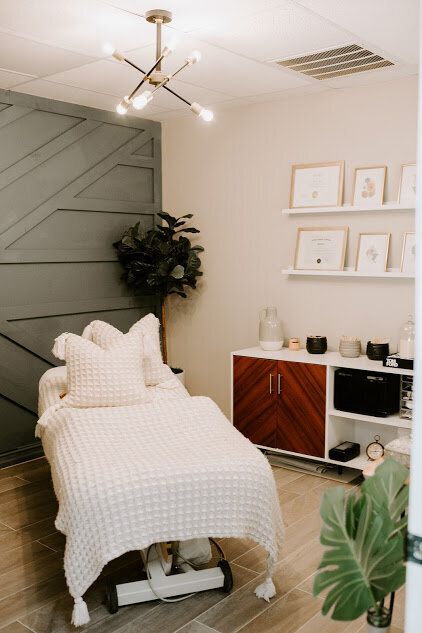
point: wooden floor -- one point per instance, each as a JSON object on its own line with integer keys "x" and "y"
{"x": 33, "y": 594}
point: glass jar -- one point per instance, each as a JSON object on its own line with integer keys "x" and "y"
{"x": 378, "y": 620}
{"x": 407, "y": 339}
{"x": 270, "y": 330}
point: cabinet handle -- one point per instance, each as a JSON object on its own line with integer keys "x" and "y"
{"x": 271, "y": 384}
{"x": 278, "y": 384}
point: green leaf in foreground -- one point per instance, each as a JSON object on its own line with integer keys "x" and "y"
{"x": 364, "y": 558}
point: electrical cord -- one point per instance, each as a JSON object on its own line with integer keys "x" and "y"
{"x": 180, "y": 599}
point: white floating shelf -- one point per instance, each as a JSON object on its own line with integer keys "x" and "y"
{"x": 348, "y": 208}
{"x": 359, "y": 463}
{"x": 349, "y": 272}
{"x": 392, "y": 420}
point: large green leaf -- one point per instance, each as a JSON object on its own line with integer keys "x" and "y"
{"x": 364, "y": 559}
{"x": 387, "y": 489}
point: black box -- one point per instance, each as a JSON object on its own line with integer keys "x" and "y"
{"x": 368, "y": 392}
{"x": 394, "y": 360}
{"x": 344, "y": 452}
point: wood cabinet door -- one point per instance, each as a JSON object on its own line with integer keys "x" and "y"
{"x": 301, "y": 408}
{"x": 255, "y": 399}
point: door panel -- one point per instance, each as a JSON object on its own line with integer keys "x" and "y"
{"x": 254, "y": 407}
{"x": 301, "y": 408}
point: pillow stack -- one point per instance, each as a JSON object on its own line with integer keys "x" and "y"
{"x": 106, "y": 336}
{"x": 106, "y": 368}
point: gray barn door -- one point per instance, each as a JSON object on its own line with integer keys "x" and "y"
{"x": 71, "y": 180}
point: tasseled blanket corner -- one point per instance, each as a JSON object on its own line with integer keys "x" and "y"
{"x": 80, "y": 614}
{"x": 266, "y": 590}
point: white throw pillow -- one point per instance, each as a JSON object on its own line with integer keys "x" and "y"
{"x": 98, "y": 377}
{"x": 106, "y": 335}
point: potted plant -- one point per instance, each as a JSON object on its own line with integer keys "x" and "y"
{"x": 365, "y": 539}
{"x": 161, "y": 261}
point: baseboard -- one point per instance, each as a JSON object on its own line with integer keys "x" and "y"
{"x": 22, "y": 454}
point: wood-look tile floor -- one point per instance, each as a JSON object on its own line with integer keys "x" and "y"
{"x": 33, "y": 595}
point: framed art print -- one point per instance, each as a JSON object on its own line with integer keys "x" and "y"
{"x": 321, "y": 248}
{"x": 407, "y": 189}
{"x": 317, "y": 185}
{"x": 372, "y": 252}
{"x": 369, "y": 185}
{"x": 408, "y": 256}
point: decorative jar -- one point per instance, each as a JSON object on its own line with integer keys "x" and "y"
{"x": 407, "y": 339}
{"x": 270, "y": 330}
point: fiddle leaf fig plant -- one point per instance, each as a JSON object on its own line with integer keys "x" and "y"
{"x": 162, "y": 260}
{"x": 364, "y": 535}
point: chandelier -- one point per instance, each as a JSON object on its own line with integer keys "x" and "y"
{"x": 155, "y": 78}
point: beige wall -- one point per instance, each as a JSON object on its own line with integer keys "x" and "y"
{"x": 234, "y": 175}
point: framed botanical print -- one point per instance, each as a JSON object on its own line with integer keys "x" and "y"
{"x": 321, "y": 248}
{"x": 372, "y": 252}
{"x": 317, "y": 185}
{"x": 408, "y": 257}
{"x": 407, "y": 189}
{"x": 369, "y": 185}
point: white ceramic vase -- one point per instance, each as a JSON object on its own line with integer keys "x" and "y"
{"x": 270, "y": 330}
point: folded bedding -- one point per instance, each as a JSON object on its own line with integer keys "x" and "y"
{"x": 173, "y": 468}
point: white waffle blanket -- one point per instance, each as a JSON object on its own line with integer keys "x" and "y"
{"x": 172, "y": 469}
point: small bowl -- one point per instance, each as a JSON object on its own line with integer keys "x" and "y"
{"x": 316, "y": 344}
{"x": 377, "y": 351}
{"x": 350, "y": 349}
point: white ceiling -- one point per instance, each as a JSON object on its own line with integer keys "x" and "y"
{"x": 53, "y": 48}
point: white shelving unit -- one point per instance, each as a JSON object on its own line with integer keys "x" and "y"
{"x": 391, "y": 273}
{"x": 341, "y": 426}
{"x": 348, "y": 208}
{"x": 392, "y": 420}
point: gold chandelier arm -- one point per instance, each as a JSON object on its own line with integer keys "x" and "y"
{"x": 145, "y": 77}
{"x": 173, "y": 92}
{"x": 167, "y": 79}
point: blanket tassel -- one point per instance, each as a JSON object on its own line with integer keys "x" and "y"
{"x": 266, "y": 590}
{"x": 80, "y": 613}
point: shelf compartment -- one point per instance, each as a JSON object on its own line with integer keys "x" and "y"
{"x": 358, "y": 463}
{"x": 391, "y": 273}
{"x": 348, "y": 208}
{"x": 392, "y": 420}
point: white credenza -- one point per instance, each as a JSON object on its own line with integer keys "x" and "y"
{"x": 284, "y": 401}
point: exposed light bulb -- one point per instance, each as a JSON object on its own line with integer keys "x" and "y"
{"x": 193, "y": 58}
{"x": 206, "y": 115}
{"x": 108, "y": 48}
{"x": 170, "y": 46}
{"x": 142, "y": 100}
{"x": 122, "y": 107}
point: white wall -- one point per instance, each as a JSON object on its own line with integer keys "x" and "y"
{"x": 234, "y": 175}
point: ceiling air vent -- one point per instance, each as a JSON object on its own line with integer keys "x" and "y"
{"x": 337, "y": 62}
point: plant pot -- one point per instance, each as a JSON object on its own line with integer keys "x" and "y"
{"x": 179, "y": 373}
{"x": 378, "y": 621}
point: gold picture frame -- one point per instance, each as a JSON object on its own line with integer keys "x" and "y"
{"x": 316, "y": 248}
{"x": 410, "y": 269}
{"x": 400, "y": 193}
{"x": 332, "y": 198}
{"x": 373, "y": 263}
{"x": 366, "y": 200}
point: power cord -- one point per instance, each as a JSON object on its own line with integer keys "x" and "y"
{"x": 180, "y": 599}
